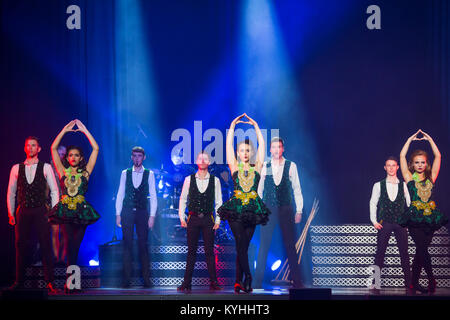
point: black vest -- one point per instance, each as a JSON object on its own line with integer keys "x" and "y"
{"x": 387, "y": 210}
{"x": 281, "y": 195}
{"x": 31, "y": 195}
{"x": 136, "y": 197}
{"x": 201, "y": 202}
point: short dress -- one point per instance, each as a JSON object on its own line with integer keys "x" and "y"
{"x": 245, "y": 205}
{"x": 72, "y": 206}
{"x": 423, "y": 212}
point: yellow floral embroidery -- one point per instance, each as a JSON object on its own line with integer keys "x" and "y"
{"x": 426, "y": 207}
{"x": 245, "y": 196}
{"x": 424, "y": 190}
{"x": 72, "y": 201}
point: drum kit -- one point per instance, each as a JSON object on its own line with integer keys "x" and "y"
{"x": 169, "y": 184}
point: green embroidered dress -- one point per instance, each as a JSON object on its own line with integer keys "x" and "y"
{"x": 245, "y": 205}
{"x": 423, "y": 212}
{"x": 72, "y": 206}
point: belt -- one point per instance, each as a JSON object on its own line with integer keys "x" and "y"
{"x": 199, "y": 215}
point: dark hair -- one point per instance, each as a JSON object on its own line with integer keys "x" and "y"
{"x": 33, "y": 138}
{"x": 411, "y": 163}
{"x": 81, "y": 165}
{"x": 391, "y": 158}
{"x": 138, "y": 149}
{"x": 277, "y": 139}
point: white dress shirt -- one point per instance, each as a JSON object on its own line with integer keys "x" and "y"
{"x": 202, "y": 185}
{"x": 30, "y": 172}
{"x": 137, "y": 176}
{"x": 392, "y": 190}
{"x": 277, "y": 171}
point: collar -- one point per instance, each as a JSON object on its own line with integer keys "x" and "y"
{"x": 283, "y": 160}
{"x": 397, "y": 181}
{"x": 198, "y": 177}
{"x": 27, "y": 164}
{"x": 140, "y": 171}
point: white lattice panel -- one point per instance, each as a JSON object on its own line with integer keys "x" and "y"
{"x": 341, "y": 255}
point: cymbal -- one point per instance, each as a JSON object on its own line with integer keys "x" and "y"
{"x": 160, "y": 172}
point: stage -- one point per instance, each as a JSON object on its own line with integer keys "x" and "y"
{"x": 201, "y": 293}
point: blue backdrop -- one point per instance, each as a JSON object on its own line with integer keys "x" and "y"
{"x": 343, "y": 97}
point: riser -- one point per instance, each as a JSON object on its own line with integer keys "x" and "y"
{"x": 342, "y": 254}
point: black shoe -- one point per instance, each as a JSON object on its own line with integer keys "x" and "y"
{"x": 16, "y": 286}
{"x": 214, "y": 286}
{"x": 418, "y": 287}
{"x": 67, "y": 290}
{"x": 184, "y": 287}
{"x": 125, "y": 285}
{"x": 298, "y": 285}
{"x": 248, "y": 283}
{"x": 409, "y": 290}
{"x": 374, "y": 291}
{"x": 431, "y": 286}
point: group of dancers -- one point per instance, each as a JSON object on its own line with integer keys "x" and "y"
{"x": 408, "y": 207}
{"x": 265, "y": 193}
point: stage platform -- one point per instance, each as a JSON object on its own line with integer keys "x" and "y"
{"x": 203, "y": 294}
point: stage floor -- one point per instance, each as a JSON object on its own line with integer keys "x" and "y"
{"x": 202, "y": 293}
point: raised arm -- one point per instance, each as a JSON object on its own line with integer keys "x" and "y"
{"x": 95, "y": 149}
{"x": 407, "y": 176}
{"x": 261, "y": 152}
{"x": 437, "y": 156}
{"x": 231, "y": 157}
{"x": 54, "y": 149}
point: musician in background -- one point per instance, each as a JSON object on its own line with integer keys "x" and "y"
{"x": 132, "y": 209}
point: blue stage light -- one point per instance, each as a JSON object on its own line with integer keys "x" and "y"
{"x": 93, "y": 263}
{"x": 276, "y": 265}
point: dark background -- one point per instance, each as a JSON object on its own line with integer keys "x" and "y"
{"x": 343, "y": 97}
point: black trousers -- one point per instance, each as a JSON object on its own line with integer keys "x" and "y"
{"x": 422, "y": 258}
{"x": 73, "y": 236}
{"x": 28, "y": 221}
{"x": 401, "y": 235}
{"x": 129, "y": 220}
{"x": 242, "y": 235}
{"x": 283, "y": 216}
{"x": 195, "y": 226}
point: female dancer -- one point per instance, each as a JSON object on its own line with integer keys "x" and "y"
{"x": 245, "y": 209}
{"x": 422, "y": 217}
{"x": 73, "y": 212}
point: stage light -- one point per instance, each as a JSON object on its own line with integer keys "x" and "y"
{"x": 276, "y": 265}
{"x": 94, "y": 263}
{"x": 160, "y": 185}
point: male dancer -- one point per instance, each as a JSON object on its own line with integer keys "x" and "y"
{"x": 202, "y": 195}
{"x": 132, "y": 208}
{"x": 28, "y": 181}
{"x": 279, "y": 179}
{"x": 387, "y": 204}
